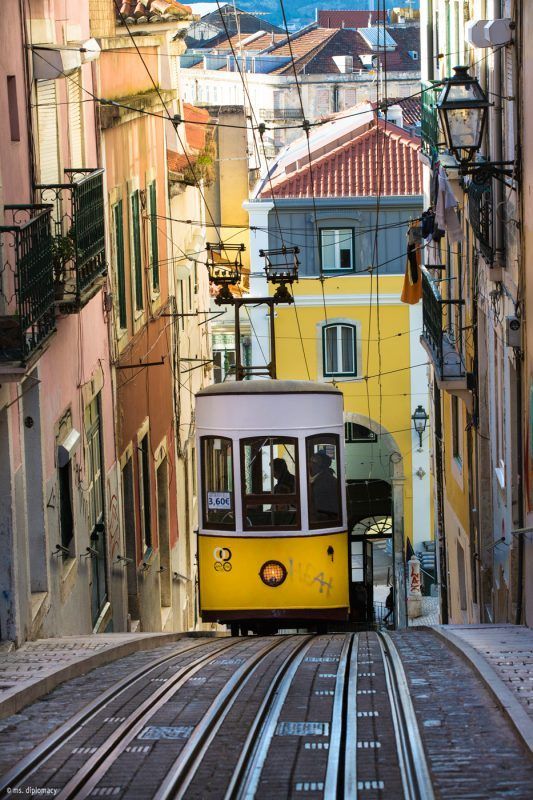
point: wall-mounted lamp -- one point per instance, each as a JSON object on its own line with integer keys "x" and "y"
{"x": 463, "y": 108}
{"x": 420, "y": 420}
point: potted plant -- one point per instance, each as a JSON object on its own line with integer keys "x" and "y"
{"x": 63, "y": 251}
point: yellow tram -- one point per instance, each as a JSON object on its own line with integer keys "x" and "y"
{"x": 272, "y": 539}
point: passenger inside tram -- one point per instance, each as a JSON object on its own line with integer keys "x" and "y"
{"x": 324, "y": 495}
{"x": 285, "y": 481}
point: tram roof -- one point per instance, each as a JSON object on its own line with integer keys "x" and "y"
{"x": 259, "y": 387}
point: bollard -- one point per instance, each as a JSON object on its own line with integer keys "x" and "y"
{"x": 414, "y": 595}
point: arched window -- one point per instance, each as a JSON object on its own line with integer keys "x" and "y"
{"x": 339, "y": 350}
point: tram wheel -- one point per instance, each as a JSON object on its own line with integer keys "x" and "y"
{"x": 321, "y": 628}
{"x": 235, "y": 628}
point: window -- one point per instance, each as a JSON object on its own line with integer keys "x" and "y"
{"x": 323, "y": 490}
{"x": 14, "y": 125}
{"x": 358, "y": 433}
{"x": 456, "y": 429}
{"x": 269, "y": 468}
{"x": 338, "y": 348}
{"x": 223, "y": 365}
{"x": 337, "y": 249}
{"x": 217, "y": 483}
{"x": 136, "y": 245}
{"x": 118, "y": 223}
{"x": 75, "y": 119}
{"x": 144, "y": 492}
{"x": 66, "y": 519}
{"x": 153, "y": 237}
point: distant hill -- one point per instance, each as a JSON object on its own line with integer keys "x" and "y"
{"x": 304, "y": 13}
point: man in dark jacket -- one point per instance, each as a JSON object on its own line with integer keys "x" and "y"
{"x": 324, "y": 488}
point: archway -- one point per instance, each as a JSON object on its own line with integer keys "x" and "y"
{"x": 374, "y": 489}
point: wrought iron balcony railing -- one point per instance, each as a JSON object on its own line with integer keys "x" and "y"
{"x": 429, "y": 118}
{"x": 480, "y": 215}
{"x": 26, "y": 281}
{"x": 78, "y": 244}
{"x": 271, "y": 114}
{"x": 439, "y": 343}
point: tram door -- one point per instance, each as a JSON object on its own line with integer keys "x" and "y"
{"x": 360, "y": 580}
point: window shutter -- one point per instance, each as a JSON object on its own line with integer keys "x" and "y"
{"x": 137, "y": 258}
{"x": 47, "y": 132}
{"x": 75, "y": 120}
{"x": 153, "y": 237}
{"x": 121, "y": 277}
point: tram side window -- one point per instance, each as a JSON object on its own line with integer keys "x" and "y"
{"x": 217, "y": 483}
{"x": 270, "y": 483}
{"x": 324, "y": 489}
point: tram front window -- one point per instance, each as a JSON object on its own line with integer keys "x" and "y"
{"x": 270, "y": 483}
{"x": 323, "y": 481}
{"x": 217, "y": 483}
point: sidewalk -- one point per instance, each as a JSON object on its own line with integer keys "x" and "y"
{"x": 430, "y": 613}
{"x": 503, "y": 657}
{"x": 38, "y": 667}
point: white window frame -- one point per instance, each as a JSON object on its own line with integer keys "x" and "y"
{"x": 340, "y": 373}
{"x": 340, "y": 237}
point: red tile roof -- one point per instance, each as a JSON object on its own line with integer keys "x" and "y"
{"x": 246, "y": 41}
{"x": 411, "y": 107}
{"x": 347, "y": 19}
{"x": 141, "y": 11}
{"x": 314, "y": 49}
{"x": 353, "y": 168}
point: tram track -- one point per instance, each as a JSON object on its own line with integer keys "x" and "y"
{"x": 60, "y": 737}
{"x": 363, "y": 741}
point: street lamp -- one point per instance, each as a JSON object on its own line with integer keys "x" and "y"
{"x": 420, "y": 420}
{"x": 463, "y": 107}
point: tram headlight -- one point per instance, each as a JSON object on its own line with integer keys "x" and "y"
{"x": 273, "y": 573}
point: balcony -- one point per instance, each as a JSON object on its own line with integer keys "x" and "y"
{"x": 439, "y": 344}
{"x": 78, "y": 245}
{"x": 480, "y": 215}
{"x": 429, "y": 118}
{"x": 273, "y": 114}
{"x": 27, "y": 317}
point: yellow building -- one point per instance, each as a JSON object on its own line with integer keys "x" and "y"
{"x": 349, "y": 326}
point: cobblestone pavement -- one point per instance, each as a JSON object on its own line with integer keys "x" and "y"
{"x": 473, "y": 751}
{"x": 37, "y": 667}
{"x": 509, "y": 651}
{"x": 21, "y": 732}
{"x": 430, "y": 613}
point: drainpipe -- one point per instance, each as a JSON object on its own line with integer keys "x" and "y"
{"x": 496, "y": 145}
{"x": 439, "y": 481}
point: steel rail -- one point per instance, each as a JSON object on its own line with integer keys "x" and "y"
{"x": 84, "y": 781}
{"x": 61, "y": 735}
{"x": 255, "y": 728}
{"x": 260, "y": 747}
{"x": 350, "y": 744}
{"x": 337, "y": 739}
{"x": 184, "y": 768}
{"x": 416, "y": 778}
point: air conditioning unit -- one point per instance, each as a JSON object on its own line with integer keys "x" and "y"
{"x": 513, "y": 331}
{"x": 488, "y": 32}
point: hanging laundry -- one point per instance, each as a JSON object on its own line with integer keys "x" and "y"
{"x": 445, "y": 212}
{"x": 412, "y": 282}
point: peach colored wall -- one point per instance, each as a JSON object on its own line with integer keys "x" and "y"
{"x": 527, "y": 221}
{"x": 122, "y": 72}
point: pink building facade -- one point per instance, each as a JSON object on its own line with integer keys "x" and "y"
{"x": 59, "y": 498}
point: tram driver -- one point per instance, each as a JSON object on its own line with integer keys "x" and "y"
{"x": 324, "y": 492}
